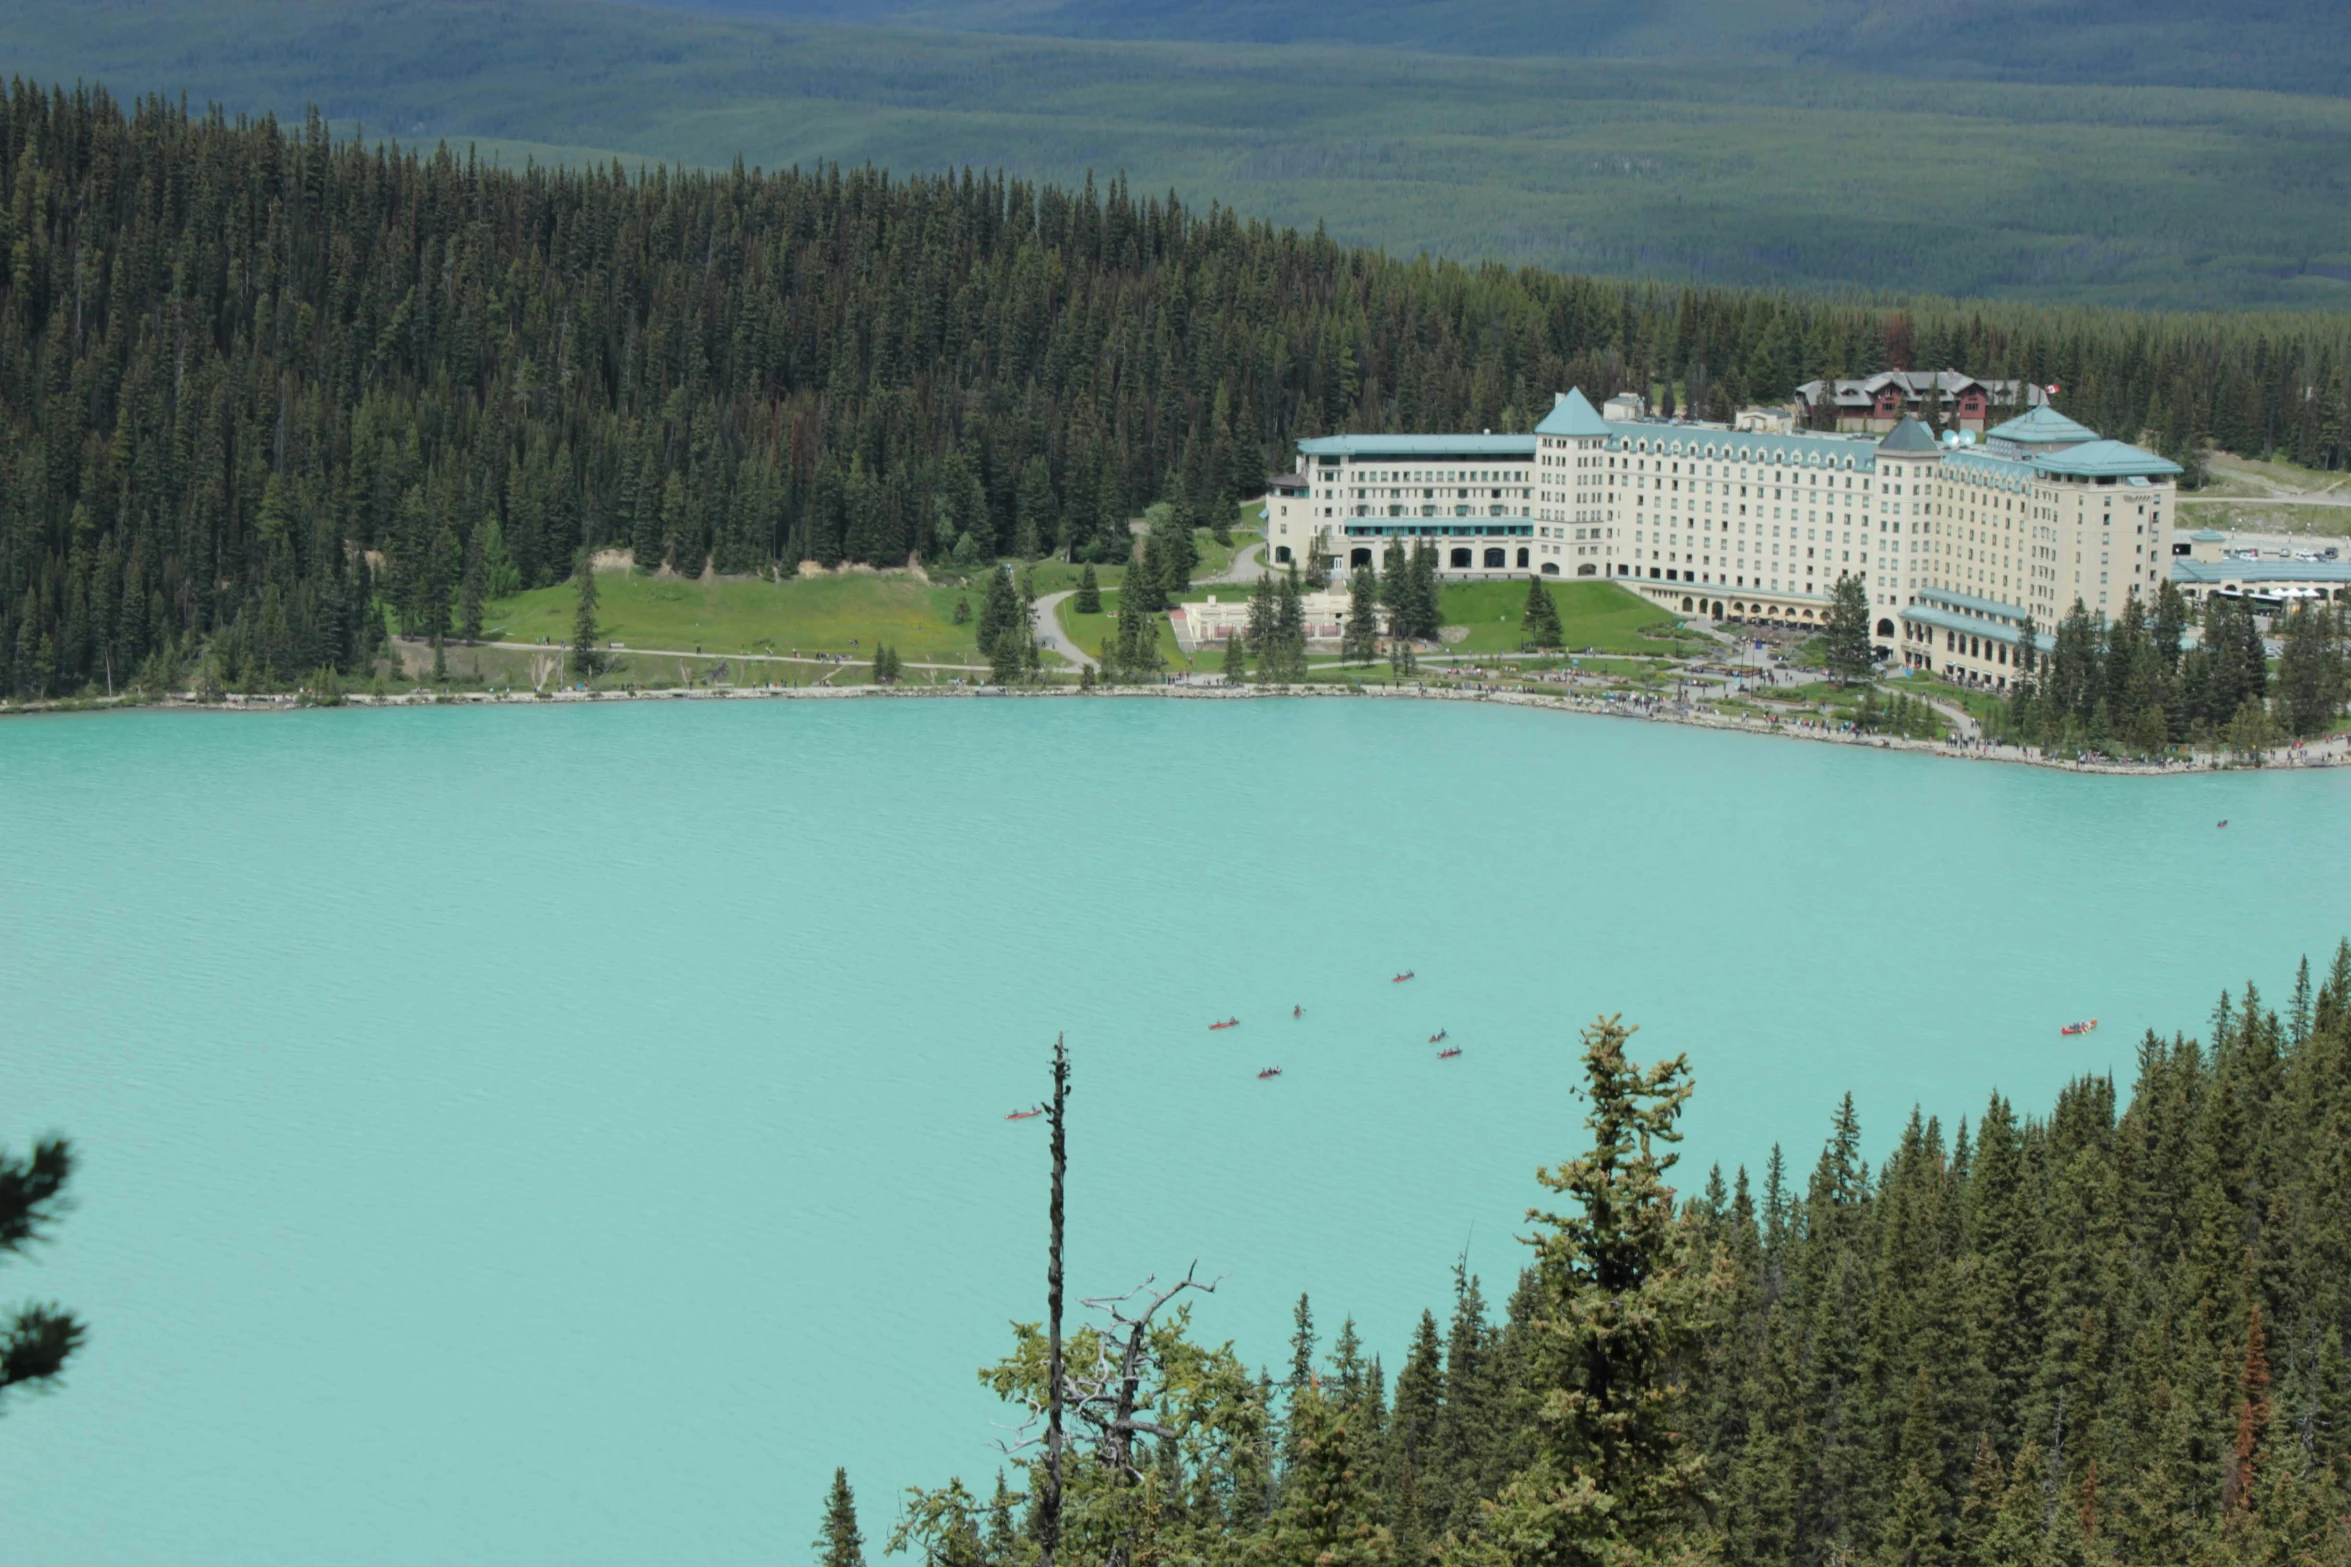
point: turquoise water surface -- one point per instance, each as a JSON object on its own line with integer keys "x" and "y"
{"x": 561, "y": 1136}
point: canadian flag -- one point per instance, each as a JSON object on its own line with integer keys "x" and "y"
{"x": 2053, "y": 389}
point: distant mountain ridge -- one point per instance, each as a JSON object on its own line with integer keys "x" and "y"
{"x": 2301, "y": 46}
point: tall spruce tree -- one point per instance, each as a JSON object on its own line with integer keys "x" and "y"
{"x": 1846, "y": 631}
{"x": 587, "y": 653}
{"x": 1539, "y": 621}
{"x": 1359, "y": 642}
{"x": 840, "y": 1544}
{"x": 1001, "y": 628}
{"x": 1426, "y": 613}
{"x": 1620, "y": 1310}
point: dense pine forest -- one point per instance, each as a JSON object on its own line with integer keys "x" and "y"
{"x": 2111, "y": 1334}
{"x": 2134, "y": 685}
{"x": 267, "y": 395}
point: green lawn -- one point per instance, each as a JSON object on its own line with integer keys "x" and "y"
{"x": 1593, "y": 614}
{"x": 1598, "y": 615}
{"x": 1981, "y": 705}
{"x": 1818, "y": 691}
{"x": 738, "y": 615}
{"x": 2232, "y": 475}
{"x": 1091, "y": 631}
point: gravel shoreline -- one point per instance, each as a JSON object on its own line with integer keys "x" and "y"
{"x": 2333, "y": 752}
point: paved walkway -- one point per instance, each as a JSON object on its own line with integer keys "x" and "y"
{"x": 1053, "y": 639}
{"x": 1248, "y": 564}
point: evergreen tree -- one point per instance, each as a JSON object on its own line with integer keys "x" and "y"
{"x": 1089, "y": 594}
{"x": 1425, "y": 616}
{"x": 1236, "y": 660}
{"x": 1283, "y": 660}
{"x": 1001, "y": 627}
{"x": 587, "y": 653}
{"x": 1147, "y": 580}
{"x": 1136, "y": 655}
{"x": 1395, "y": 580}
{"x": 1182, "y": 552}
{"x": 1301, "y": 1346}
{"x": 474, "y": 584}
{"x": 36, "y": 1339}
{"x": 1328, "y": 1514}
{"x": 1264, "y": 613}
{"x": 1540, "y": 619}
{"x": 2311, "y": 670}
{"x": 1846, "y": 632}
{"x": 1621, "y": 1306}
{"x": 840, "y": 1545}
{"x": 1039, "y": 521}
{"x": 1360, "y": 642}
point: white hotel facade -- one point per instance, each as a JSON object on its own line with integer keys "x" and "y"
{"x": 1956, "y": 544}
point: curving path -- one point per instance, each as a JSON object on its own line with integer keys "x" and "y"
{"x": 1051, "y": 637}
{"x": 1247, "y": 566}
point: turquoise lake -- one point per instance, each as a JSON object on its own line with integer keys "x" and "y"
{"x": 563, "y": 1135}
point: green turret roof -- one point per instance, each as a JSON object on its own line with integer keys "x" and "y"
{"x": 2106, "y": 460}
{"x": 1910, "y": 439}
{"x": 2043, "y": 426}
{"x": 1573, "y": 414}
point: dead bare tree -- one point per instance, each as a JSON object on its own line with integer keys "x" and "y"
{"x": 1113, "y": 1397}
{"x": 1109, "y": 1397}
{"x": 1049, "y": 1502}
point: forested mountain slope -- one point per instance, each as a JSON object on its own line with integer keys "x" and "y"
{"x": 2273, "y": 45}
{"x": 252, "y": 380}
{"x": 1742, "y": 166}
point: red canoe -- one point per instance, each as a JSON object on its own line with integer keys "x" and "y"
{"x": 1401, "y": 978}
{"x": 2079, "y": 1028}
{"x": 1447, "y": 1055}
{"x": 1230, "y": 1022}
{"x": 1271, "y": 1071}
{"x": 1023, "y": 1115}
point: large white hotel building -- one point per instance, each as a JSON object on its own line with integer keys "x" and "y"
{"x": 1957, "y": 544}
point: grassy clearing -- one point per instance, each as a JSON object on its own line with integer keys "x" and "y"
{"x": 1979, "y": 705}
{"x": 847, "y": 613}
{"x": 2237, "y": 476}
{"x": 518, "y": 669}
{"x": 1597, "y": 615}
{"x": 1091, "y": 631}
